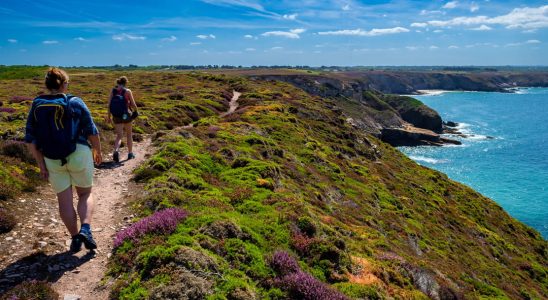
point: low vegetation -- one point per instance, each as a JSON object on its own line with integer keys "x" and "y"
{"x": 284, "y": 199}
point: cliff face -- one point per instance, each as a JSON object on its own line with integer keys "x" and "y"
{"x": 385, "y": 116}
{"x": 404, "y": 82}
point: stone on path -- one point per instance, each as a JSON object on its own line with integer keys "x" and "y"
{"x": 72, "y": 297}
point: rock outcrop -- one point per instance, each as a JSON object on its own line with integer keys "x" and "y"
{"x": 398, "y": 120}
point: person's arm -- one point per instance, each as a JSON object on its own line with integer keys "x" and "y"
{"x": 90, "y": 131}
{"x": 96, "y": 148}
{"x": 132, "y": 104}
{"x": 107, "y": 117}
{"x": 39, "y": 159}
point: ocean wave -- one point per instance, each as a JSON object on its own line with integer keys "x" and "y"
{"x": 466, "y": 130}
{"x": 432, "y": 92}
{"x": 428, "y": 159}
{"x": 479, "y": 137}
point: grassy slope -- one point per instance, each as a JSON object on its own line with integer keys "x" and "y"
{"x": 285, "y": 172}
{"x": 285, "y": 164}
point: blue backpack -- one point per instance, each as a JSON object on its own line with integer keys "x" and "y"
{"x": 56, "y": 125}
{"x": 118, "y": 105}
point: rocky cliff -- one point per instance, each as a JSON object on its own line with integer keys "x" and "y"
{"x": 394, "y": 119}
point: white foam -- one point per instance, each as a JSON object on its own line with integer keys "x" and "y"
{"x": 428, "y": 159}
{"x": 432, "y": 92}
{"x": 478, "y": 137}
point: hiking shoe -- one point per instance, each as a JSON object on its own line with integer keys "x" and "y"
{"x": 130, "y": 155}
{"x": 76, "y": 244}
{"x": 116, "y": 157}
{"x": 87, "y": 238}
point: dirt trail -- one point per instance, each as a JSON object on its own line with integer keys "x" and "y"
{"x": 233, "y": 105}
{"x": 110, "y": 189}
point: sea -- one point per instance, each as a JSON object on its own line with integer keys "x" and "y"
{"x": 505, "y": 153}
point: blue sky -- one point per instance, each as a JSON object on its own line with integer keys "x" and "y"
{"x": 285, "y": 32}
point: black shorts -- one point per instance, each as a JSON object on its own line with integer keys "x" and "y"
{"x": 130, "y": 118}
{"x": 117, "y": 120}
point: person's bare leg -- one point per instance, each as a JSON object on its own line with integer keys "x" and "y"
{"x": 85, "y": 204}
{"x": 67, "y": 212}
{"x": 129, "y": 137}
{"x": 119, "y": 129}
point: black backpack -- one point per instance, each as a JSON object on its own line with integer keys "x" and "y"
{"x": 56, "y": 125}
{"x": 118, "y": 105}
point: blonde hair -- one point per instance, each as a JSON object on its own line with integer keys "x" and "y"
{"x": 122, "y": 80}
{"x": 55, "y": 78}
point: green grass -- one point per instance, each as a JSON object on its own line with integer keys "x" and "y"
{"x": 287, "y": 172}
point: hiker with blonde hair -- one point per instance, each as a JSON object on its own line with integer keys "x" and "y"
{"x": 123, "y": 109}
{"x": 64, "y": 141}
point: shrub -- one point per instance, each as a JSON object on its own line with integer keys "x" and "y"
{"x": 302, "y": 243}
{"x": 185, "y": 285}
{"x": 7, "y": 190}
{"x": 35, "y": 290}
{"x": 307, "y": 226}
{"x": 19, "y": 99}
{"x": 7, "y": 221}
{"x": 8, "y": 110}
{"x": 283, "y": 263}
{"x": 163, "y": 222}
{"x": 301, "y": 285}
{"x": 298, "y": 284}
{"x": 18, "y": 150}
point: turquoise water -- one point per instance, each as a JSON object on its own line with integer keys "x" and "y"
{"x": 506, "y": 156}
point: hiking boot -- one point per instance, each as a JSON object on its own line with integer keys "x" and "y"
{"x": 87, "y": 238}
{"x": 116, "y": 157}
{"x": 130, "y": 155}
{"x": 76, "y": 244}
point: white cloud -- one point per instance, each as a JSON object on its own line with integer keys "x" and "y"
{"x": 206, "y": 36}
{"x": 434, "y": 47}
{"x": 421, "y": 25}
{"x": 526, "y": 18}
{"x": 169, "y": 39}
{"x": 13, "y": 41}
{"x": 451, "y": 4}
{"x": 361, "y": 32}
{"x": 248, "y": 36}
{"x": 81, "y": 39}
{"x": 474, "y": 7}
{"x": 453, "y": 47}
{"x": 290, "y": 17}
{"x": 431, "y": 12}
{"x": 532, "y": 42}
{"x": 483, "y": 27}
{"x": 250, "y": 49}
{"x": 412, "y": 48}
{"x": 437, "y": 31}
{"x": 50, "y": 42}
{"x": 276, "y": 48}
{"x": 242, "y": 3}
{"x": 126, "y": 37}
{"x": 346, "y": 7}
{"x": 291, "y": 34}
{"x": 195, "y": 43}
